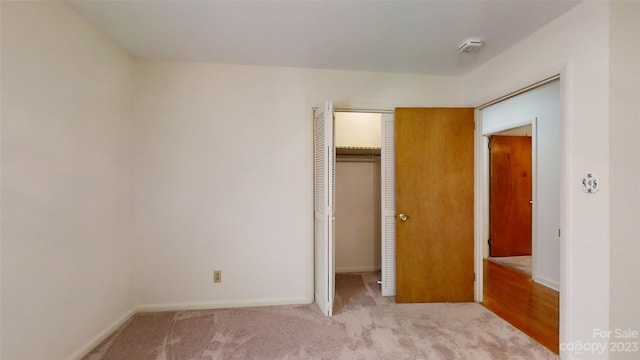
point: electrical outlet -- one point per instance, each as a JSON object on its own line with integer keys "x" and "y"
{"x": 217, "y": 276}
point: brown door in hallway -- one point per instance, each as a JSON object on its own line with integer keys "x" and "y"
{"x": 510, "y": 195}
{"x": 434, "y": 202}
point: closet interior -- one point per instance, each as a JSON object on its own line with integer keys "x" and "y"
{"x": 357, "y": 191}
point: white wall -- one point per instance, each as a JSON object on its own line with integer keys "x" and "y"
{"x": 353, "y": 129}
{"x": 542, "y": 103}
{"x": 223, "y": 175}
{"x": 624, "y": 134}
{"x": 66, "y": 182}
{"x": 357, "y": 206}
{"x": 577, "y": 42}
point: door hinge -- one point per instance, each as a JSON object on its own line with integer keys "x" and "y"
{"x": 489, "y": 145}
{"x": 489, "y": 242}
{"x": 558, "y": 232}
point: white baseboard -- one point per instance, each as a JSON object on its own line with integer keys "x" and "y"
{"x": 356, "y": 269}
{"x": 546, "y": 282}
{"x": 102, "y": 336}
{"x": 222, "y": 304}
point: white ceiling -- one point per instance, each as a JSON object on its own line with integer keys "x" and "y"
{"x": 419, "y": 37}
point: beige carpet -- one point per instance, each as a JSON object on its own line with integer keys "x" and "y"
{"x": 520, "y": 263}
{"x": 366, "y": 326}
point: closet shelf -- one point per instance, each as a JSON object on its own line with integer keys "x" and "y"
{"x": 355, "y": 150}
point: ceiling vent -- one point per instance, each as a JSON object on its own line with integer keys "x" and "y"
{"x": 469, "y": 46}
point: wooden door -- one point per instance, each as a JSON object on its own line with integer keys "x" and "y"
{"x": 510, "y": 195}
{"x": 434, "y": 194}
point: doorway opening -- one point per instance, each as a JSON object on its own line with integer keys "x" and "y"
{"x": 324, "y": 196}
{"x": 449, "y": 128}
{"x": 507, "y": 290}
{"x": 357, "y": 187}
{"x": 540, "y": 109}
{"x": 357, "y": 205}
{"x": 511, "y": 185}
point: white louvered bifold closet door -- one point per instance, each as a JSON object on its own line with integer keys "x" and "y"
{"x": 388, "y": 206}
{"x": 324, "y": 197}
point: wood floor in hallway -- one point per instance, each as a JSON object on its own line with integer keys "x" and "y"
{"x": 527, "y": 305}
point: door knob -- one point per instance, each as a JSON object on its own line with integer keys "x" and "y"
{"x": 402, "y": 217}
